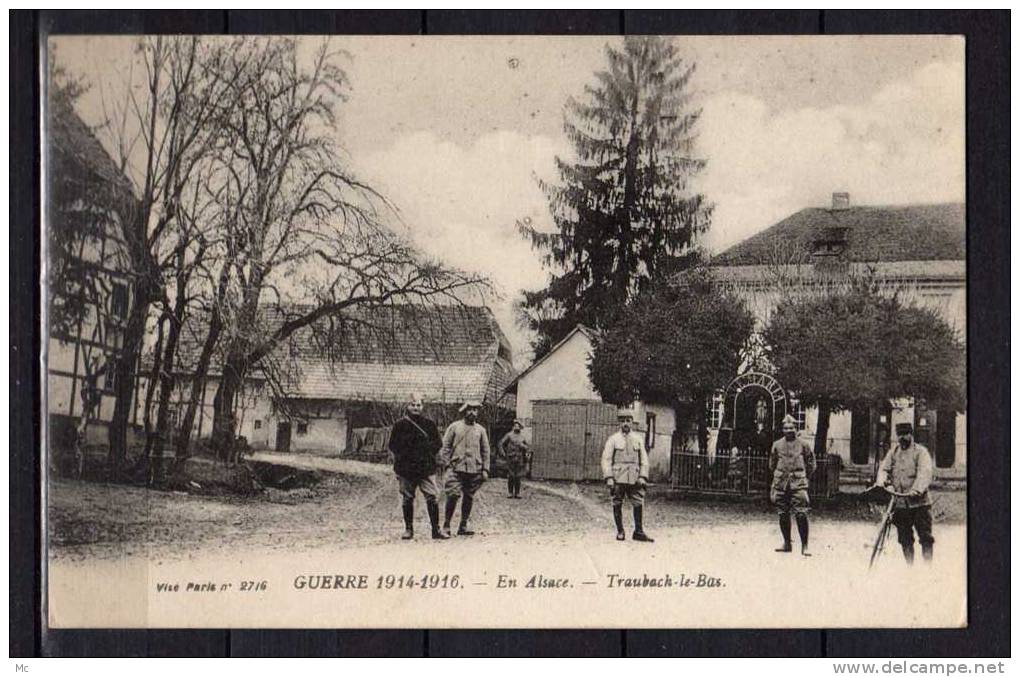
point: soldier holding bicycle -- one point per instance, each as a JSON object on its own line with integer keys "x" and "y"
{"x": 907, "y": 469}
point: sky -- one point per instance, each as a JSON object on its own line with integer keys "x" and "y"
{"x": 455, "y": 131}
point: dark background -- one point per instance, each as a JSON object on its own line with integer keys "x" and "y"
{"x": 987, "y": 77}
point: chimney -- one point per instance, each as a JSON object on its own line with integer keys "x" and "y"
{"x": 840, "y": 201}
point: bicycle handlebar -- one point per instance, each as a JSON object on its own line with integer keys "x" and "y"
{"x": 888, "y": 491}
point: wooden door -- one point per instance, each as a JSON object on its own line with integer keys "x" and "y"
{"x": 945, "y": 439}
{"x": 558, "y": 439}
{"x": 861, "y": 435}
{"x": 283, "y": 436}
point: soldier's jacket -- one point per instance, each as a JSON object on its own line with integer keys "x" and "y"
{"x": 624, "y": 458}
{"x": 466, "y": 447}
{"x": 909, "y": 470}
{"x": 792, "y": 463}
{"x": 514, "y": 448}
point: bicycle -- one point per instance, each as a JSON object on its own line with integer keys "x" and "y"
{"x": 887, "y": 520}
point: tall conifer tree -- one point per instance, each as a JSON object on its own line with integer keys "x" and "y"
{"x": 624, "y": 209}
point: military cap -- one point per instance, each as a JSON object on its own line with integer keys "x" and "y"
{"x": 904, "y": 428}
{"x": 470, "y": 404}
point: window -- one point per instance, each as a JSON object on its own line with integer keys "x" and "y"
{"x": 119, "y": 300}
{"x": 258, "y": 424}
{"x": 649, "y": 430}
{"x": 110, "y": 375}
{"x": 302, "y": 428}
{"x": 715, "y": 412}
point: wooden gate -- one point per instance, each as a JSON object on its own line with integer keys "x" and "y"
{"x": 567, "y": 438}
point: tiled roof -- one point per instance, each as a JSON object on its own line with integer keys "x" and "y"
{"x": 402, "y": 333}
{"x": 71, "y": 138}
{"x": 361, "y": 381}
{"x": 383, "y": 354}
{"x": 934, "y": 232}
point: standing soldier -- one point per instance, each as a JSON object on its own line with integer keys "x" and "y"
{"x": 625, "y": 468}
{"x": 792, "y": 462}
{"x": 466, "y": 459}
{"x": 514, "y": 449}
{"x": 907, "y": 469}
{"x": 414, "y": 443}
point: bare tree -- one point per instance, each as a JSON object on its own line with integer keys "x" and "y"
{"x": 162, "y": 128}
{"x": 303, "y": 227}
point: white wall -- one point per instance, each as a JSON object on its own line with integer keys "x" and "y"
{"x": 665, "y": 424}
{"x": 947, "y": 296}
{"x": 253, "y": 405}
{"x": 326, "y": 429}
{"x": 562, "y": 375}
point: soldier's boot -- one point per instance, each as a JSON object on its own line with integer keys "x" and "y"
{"x": 451, "y": 506}
{"x": 639, "y": 531}
{"x": 433, "y": 509}
{"x": 784, "y": 528}
{"x": 408, "y": 521}
{"x": 509, "y": 487}
{"x": 517, "y": 487}
{"x": 802, "y": 529}
{"x": 927, "y": 552}
{"x": 621, "y": 535}
{"x": 908, "y": 552}
{"x": 465, "y": 515}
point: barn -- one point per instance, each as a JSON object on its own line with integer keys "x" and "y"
{"x": 336, "y": 387}
{"x": 568, "y": 422}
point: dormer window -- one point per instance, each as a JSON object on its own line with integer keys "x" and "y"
{"x": 830, "y": 242}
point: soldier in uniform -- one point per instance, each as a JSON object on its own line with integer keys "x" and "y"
{"x": 465, "y": 457}
{"x": 907, "y": 469}
{"x": 514, "y": 449}
{"x": 792, "y": 462}
{"x": 625, "y": 469}
{"x": 414, "y": 443}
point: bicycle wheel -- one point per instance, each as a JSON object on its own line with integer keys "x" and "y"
{"x": 883, "y": 533}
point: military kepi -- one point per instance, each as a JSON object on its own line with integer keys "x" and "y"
{"x": 470, "y": 404}
{"x": 904, "y": 428}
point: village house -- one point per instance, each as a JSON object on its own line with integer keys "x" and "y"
{"x": 80, "y": 355}
{"x": 336, "y": 387}
{"x": 567, "y": 421}
{"x": 918, "y": 251}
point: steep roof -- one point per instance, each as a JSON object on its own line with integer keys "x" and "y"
{"x": 71, "y": 140}
{"x": 450, "y": 353}
{"x": 932, "y": 232}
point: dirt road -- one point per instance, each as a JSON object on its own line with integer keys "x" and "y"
{"x": 355, "y": 504}
{"x": 112, "y": 546}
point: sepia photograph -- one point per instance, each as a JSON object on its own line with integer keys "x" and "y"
{"x": 504, "y": 331}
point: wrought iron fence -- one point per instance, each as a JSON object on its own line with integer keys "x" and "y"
{"x": 743, "y": 475}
